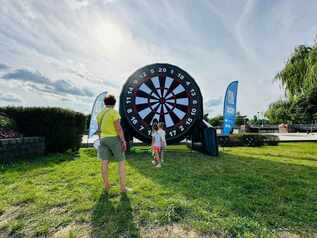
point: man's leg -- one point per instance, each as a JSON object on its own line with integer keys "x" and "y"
{"x": 122, "y": 175}
{"x": 105, "y": 155}
{"x": 119, "y": 155}
{"x": 105, "y": 174}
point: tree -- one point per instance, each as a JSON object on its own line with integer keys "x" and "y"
{"x": 305, "y": 107}
{"x": 302, "y": 109}
{"x": 241, "y": 120}
{"x": 293, "y": 76}
{"x": 299, "y": 80}
{"x": 254, "y": 120}
{"x": 279, "y": 112}
{"x": 216, "y": 121}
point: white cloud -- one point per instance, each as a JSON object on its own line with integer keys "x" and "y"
{"x": 214, "y": 102}
{"x": 96, "y": 45}
{"x": 39, "y": 82}
{"x": 213, "y": 105}
{"x": 241, "y": 31}
{"x": 4, "y": 67}
{"x": 10, "y": 98}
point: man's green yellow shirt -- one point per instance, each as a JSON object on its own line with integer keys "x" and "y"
{"x": 105, "y": 120}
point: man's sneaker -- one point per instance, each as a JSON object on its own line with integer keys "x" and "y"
{"x": 126, "y": 190}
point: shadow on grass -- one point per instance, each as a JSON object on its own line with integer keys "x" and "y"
{"x": 111, "y": 221}
{"x": 292, "y": 151}
{"x": 309, "y": 157}
{"x": 35, "y": 162}
{"x": 273, "y": 194}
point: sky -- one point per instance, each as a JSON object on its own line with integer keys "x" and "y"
{"x": 63, "y": 53}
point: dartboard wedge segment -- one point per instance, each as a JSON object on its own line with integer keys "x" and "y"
{"x": 162, "y": 93}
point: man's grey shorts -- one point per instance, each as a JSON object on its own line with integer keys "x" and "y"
{"x": 110, "y": 149}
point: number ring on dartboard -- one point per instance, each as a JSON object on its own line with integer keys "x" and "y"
{"x": 162, "y": 93}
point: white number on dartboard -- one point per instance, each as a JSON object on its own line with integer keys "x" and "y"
{"x": 179, "y": 75}
{"x": 162, "y": 70}
{"x": 134, "y": 120}
{"x": 172, "y": 133}
{"x": 188, "y": 121}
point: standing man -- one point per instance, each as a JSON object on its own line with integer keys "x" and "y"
{"x": 112, "y": 142}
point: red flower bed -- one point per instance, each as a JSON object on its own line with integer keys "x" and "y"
{"x": 8, "y": 133}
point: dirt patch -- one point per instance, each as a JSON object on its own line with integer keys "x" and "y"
{"x": 58, "y": 210}
{"x": 286, "y": 234}
{"x": 4, "y": 233}
{"x": 78, "y": 230}
{"x": 9, "y": 215}
{"x": 175, "y": 231}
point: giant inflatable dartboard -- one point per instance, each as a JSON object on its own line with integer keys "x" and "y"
{"x": 162, "y": 93}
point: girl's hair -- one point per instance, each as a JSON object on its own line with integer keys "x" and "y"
{"x": 160, "y": 125}
{"x": 110, "y": 100}
{"x": 154, "y": 127}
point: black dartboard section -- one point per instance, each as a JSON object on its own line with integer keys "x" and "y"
{"x": 161, "y": 93}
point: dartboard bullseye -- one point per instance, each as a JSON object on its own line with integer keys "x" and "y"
{"x": 161, "y": 93}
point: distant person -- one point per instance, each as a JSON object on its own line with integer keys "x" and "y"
{"x": 112, "y": 142}
{"x": 162, "y": 133}
{"x": 156, "y": 146}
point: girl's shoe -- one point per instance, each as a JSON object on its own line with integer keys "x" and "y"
{"x": 154, "y": 162}
{"x": 158, "y": 165}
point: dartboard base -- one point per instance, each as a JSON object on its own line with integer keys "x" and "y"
{"x": 204, "y": 139}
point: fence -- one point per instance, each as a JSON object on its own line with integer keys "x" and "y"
{"x": 11, "y": 149}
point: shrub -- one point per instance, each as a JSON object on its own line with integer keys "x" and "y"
{"x": 62, "y": 129}
{"x": 251, "y": 140}
{"x": 271, "y": 140}
{"x": 227, "y": 141}
{"x": 247, "y": 139}
{"x": 6, "y": 122}
{"x": 7, "y": 128}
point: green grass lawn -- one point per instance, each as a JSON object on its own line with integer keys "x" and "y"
{"x": 245, "y": 192}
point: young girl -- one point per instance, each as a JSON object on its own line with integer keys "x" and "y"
{"x": 161, "y": 131}
{"x": 156, "y": 146}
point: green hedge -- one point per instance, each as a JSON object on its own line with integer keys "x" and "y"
{"x": 247, "y": 139}
{"x": 6, "y": 122}
{"x": 62, "y": 129}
